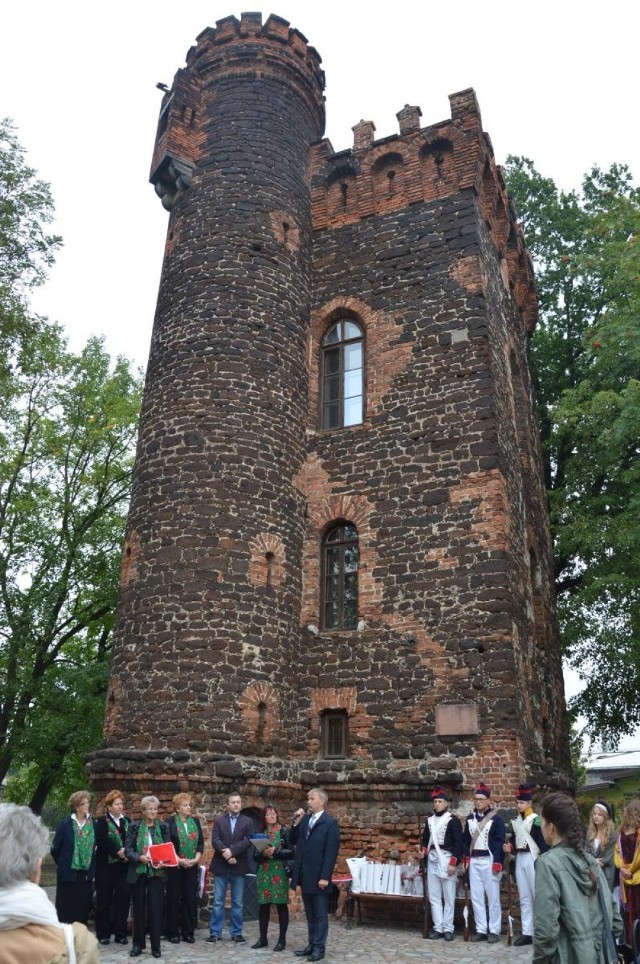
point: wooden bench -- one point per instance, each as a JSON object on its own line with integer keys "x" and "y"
{"x": 390, "y": 900}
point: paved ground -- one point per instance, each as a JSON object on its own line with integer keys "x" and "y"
{"x": 366, "y": 943}
{"x": 356, "y": 944}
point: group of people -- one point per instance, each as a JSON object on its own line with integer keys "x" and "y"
{"x": 571, "y": 884}
{"x": 114, "y": 852}
{"x": 307, "y": 851}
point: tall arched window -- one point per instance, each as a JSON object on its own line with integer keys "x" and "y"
{"x": 340, "y": 577}
{"x": 343, "y": 374}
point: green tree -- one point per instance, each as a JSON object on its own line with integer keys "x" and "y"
{"x": 68, "y": 424}
{"x": 26, "y": 250}
{"x": 585, "y": 355}
{"x": 578, "y": 759}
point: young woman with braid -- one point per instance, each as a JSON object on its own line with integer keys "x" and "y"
{"x": 627, "y": 860}
{"x": 568, "y": 924}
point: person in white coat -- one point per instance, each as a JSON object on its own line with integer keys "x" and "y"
{"x": 442, "y": 848}
{"x": 527, "y": 845}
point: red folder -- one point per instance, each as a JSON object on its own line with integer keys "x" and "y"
{"x": 163, "y": 853}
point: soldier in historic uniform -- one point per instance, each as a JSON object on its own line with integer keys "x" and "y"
{"x": 442, "y": 848}
{"x": 483, "y": 837}
{"x": 528, "y": 843}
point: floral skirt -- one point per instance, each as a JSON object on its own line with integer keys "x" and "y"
{"x": 272, "y": 883}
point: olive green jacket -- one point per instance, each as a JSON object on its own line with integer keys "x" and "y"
{"x": 567, "y": 919}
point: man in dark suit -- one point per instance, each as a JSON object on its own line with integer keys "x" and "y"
{"x": 316, "y": 837}
{"x": 231, "y": 839}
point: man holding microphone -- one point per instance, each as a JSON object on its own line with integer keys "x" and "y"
{"x": 316, "y": 837}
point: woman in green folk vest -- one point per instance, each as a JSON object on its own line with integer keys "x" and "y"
{"x": 147, "y": 881}
{"x": 113, "y": 893}
{"x": 73, "y": 851}
{"x": 185, "y": 832}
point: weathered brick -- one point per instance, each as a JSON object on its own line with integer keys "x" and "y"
{"x": 220, "y": 673}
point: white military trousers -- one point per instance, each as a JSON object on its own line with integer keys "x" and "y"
{"x": 442, "y": 894}
{"x": 526, "y": 881}
{"x": 484, "y": 887}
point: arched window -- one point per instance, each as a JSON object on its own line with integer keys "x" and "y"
{"x": 340, "y": 577}
{"x": 343, "y": 374}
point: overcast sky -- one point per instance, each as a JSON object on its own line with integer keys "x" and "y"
{"x": 556, "y": 81}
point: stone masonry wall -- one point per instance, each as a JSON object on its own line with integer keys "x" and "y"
{"x": 222, "y": 428}
{"x": 221, "y": 671}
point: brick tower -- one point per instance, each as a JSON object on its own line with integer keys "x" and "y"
{"x": 337, "y": 567}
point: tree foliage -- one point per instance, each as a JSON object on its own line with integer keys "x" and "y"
{"x": 26, "y": 250}
{"x": 586, "y": 361}
{"x": 68, "y": 424}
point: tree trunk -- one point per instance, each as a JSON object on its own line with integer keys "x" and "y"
{"x": 47, "y": 780}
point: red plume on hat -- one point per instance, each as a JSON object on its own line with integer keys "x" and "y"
{"x": 482, "y": 791}
{"x": 525, "y": 792}
{"x": 439, "y": 793}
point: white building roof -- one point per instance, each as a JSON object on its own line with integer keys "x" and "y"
{"x": 622, "y": 759}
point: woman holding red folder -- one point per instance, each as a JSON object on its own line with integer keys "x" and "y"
{"x": 147, "y": 881}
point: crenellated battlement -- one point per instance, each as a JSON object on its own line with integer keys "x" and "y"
{"x": 420, "y": 165}
{"x": 233, "y": 49}
{"x": 250, "y": 27}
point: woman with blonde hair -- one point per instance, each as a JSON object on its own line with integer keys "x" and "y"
{"x": 30, "y": 931}
{"x": 601, "y": 837}
{"x": 185, "y": 832}
{"x": 627, "y": 860}
{"x": 73, "y": 850}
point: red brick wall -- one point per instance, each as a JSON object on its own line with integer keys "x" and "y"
{"x": 221, "y": 669}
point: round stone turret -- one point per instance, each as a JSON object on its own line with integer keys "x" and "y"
{"x": 210, "y": 591}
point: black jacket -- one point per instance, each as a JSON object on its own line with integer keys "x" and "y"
{"x": 62, "y": 852}
{"x": 238, "y": 843}
{"x": 316, "y": 852}
{"x": 285, "y": 850}
{"x": 131, "y": 848}
{"x": 175, "y": 839}
{"x": 105, "y": 846}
